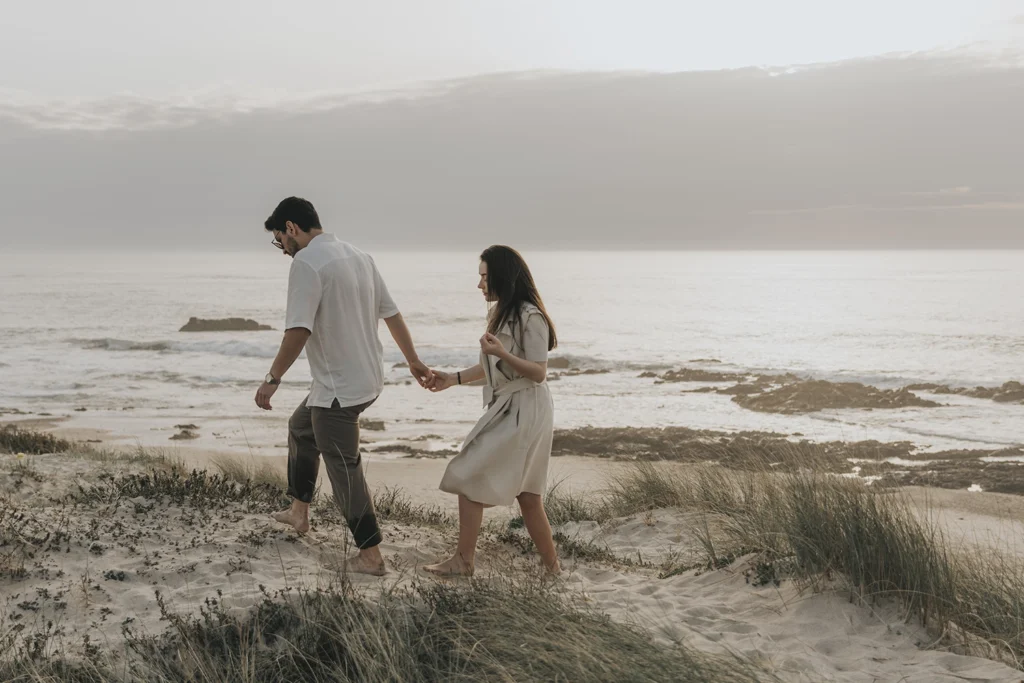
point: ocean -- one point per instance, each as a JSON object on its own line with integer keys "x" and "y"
{"x": 93, "y": 338}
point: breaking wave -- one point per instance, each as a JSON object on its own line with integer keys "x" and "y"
{"x": 239, "y": 349}
{"x": 433, "y": 355}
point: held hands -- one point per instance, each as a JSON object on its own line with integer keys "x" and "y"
{"x": 423, "y": 374}
{"x": 441, "y": 381}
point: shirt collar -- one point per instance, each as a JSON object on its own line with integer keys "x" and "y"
{"x": 323, "y": 237}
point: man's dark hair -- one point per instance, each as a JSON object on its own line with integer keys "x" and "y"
{"x": 295, "y": 209}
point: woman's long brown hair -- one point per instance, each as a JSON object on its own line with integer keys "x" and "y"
{"x": 509, "y": 279}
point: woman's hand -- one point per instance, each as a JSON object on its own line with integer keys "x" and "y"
{"x": 492, "y": 346}
{"x": 441, "y": 381}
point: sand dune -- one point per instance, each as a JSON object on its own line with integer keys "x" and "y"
{"x": 798, "y": 634}
{"x": 115, "y": 552}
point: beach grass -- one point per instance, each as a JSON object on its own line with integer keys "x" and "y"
{"x": 240, "y": 470}
{"x": 819, "y": 529}
{"x": 17, "y": 440}
{"x": 502, "y": 630}
{"x": 14, "y": 439}
{"x": 197, "y": 489}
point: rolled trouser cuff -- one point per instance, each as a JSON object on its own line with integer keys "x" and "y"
{"x": 301, "y": 497}
{"x": 365, "y": 531}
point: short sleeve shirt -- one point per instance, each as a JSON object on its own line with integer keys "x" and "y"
{"x": 336, "y": 292}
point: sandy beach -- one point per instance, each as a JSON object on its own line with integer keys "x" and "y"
{"x": 96, "y": 544}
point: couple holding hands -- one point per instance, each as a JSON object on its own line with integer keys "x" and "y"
{"x": 336, "y": 297}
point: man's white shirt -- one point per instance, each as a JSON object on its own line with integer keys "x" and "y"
{"x": 336, "y": 292}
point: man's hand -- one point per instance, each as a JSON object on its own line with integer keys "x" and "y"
{"x": 421, "y": 372}
{"x": 291, "y": 346}
{"x": 441, "y": 381}
{"x": 263, "y": 395}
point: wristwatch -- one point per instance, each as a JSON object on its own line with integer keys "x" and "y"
{"x": 269, "y": 379}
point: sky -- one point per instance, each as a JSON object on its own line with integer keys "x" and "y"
{"x": 553, "y": 124}
{"x": 109, "y": 47}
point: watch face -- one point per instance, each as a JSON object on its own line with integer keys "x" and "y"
{"x": 269, "y": 379}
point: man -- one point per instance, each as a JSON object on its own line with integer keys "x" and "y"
{"x": 335, "y": 298}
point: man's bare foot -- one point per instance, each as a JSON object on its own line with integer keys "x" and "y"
{"x": 293, "y": 518}
{"x": 361, "y": 564}
{"x": 455, "y": 566}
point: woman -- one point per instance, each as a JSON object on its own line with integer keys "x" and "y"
{"x": 505, "y": 457}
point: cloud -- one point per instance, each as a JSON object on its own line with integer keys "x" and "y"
{"x": 133, "y": 113}
{"x": 960, "y": 198}
{"x": 920, "y": 151}
{"x": 944, "y": 192}
{"x": 860, "y": 208}
{"x": 128, "y": 112}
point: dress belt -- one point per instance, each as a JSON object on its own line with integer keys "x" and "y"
{"x": 493, "y": 393}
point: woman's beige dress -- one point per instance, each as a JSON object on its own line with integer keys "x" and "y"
{"x": 507, "y": 452}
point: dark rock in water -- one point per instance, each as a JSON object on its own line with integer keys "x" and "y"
{"x": 372, "y": 425}
{"x": 742, "y": 390}
{"x": 1009, "y": 392}
{"x": 184, "y": 435}
{"x": 576, "y": 372}
{"x": 80, "y": 409}
{"x": 223, "y": 325}
{"x": 413, "y": 452}
{"x": 786, "y": 378}
{"x": 558, "y": 363}
{"x": 697, "y": 375}
{"x": 759, "y": 384}
{"x": 814, "y": 395}
{"x": 188, "y": 427}
{"x": 930, "y": 386}
{"x": 741, "y": 450}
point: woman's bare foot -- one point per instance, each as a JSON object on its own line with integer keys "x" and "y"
{"x": 294, "y": 518}
{"x": 455, "y": 566}
{"x": 551, "y": 568}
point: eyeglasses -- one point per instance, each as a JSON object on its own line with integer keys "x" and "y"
{"x": 277, "y": 244}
